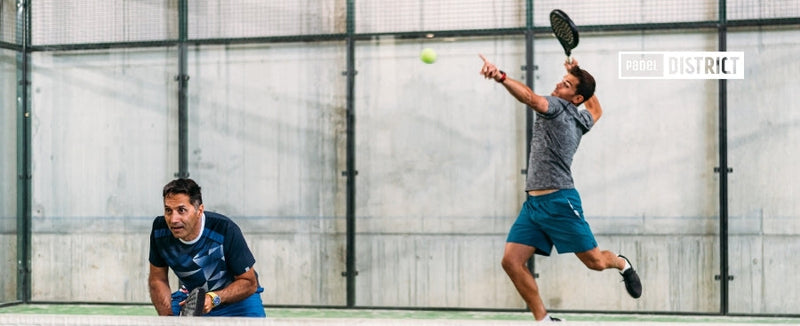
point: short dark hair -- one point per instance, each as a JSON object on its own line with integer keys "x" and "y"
{"x": 586, "y": 82}
{"x": 187, "y": 187}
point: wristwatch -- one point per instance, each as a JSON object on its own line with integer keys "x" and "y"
{"x": 215, "y": 299}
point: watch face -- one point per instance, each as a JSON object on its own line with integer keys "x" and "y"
{"x": 216, "y": 301}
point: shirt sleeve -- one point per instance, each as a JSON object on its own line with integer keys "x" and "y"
{"x": 155, "y": 256}
{"x": 555, "y": 106}
{"x": 239, "y": 257}
{"x": 585, "y": 120}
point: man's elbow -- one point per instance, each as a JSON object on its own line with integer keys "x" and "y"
{"x": 152, "y": 284}
{"x": 249, "y": 286}
{"x": 252, "y": 287}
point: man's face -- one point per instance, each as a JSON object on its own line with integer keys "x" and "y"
{"x": 566, "y": 89}
{"x": 182, "y": 218}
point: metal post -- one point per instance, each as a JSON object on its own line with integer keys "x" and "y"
{"x": 24, "y": 176}
{"x": 530, "y": 68}
{"x": 183, "y": 83}
{"x": 723, "y": 169}
{"x": 351, "y": 172}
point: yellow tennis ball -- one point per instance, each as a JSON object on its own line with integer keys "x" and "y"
{"x": 428, "y": 55}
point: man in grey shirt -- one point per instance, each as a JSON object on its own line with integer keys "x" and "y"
{"x": 552, "y": 214}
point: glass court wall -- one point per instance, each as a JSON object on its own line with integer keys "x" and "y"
{"x": 8, "y": 175}
{"x": 364, "y": 177}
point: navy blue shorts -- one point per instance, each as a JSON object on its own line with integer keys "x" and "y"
{"x": 553, "y": 219}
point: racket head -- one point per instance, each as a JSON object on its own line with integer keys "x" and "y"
{"x": 194, "y": 303}
{"x": 564, "y": 29}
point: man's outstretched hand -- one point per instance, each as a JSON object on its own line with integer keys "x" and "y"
{"x": 489, "y": 70}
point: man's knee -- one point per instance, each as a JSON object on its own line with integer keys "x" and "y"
{"x": 510, "y": 263}
{"x": 514, "y": 264}
{"x": 515, "y": 256}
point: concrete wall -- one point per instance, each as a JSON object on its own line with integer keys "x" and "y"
{"x": 8, "y": 174}
{"x": 439, "y": 155}
{"x": 763, "y": 135}
{"x": 440, "y": 152}
{"x": 272, "y": 118}
{"x": 104, "y": 128}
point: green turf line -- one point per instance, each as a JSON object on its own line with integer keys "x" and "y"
{"x": 147, "y": 310}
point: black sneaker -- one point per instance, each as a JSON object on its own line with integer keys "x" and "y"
{"x": 631, "y": 279}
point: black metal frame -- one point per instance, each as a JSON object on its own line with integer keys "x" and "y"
{"x": 23, "y": 47}
{"x": 350, "y": 257}
{"x": 183, "y": 85}
{"x": 24, "y": 160}
{"x": 723, "y": 168}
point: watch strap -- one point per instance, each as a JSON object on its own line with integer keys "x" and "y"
{"x": 215, "y": 299}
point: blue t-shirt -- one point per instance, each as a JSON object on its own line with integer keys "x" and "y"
{"x": 212, "y": 262}
{"x": 556, "y": 136}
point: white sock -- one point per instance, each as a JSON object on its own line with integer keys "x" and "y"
{"x": 545, "y": 319}
{"x": 627, "y": 266}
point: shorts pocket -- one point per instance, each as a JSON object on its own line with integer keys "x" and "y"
{"x": 575, "y": 209}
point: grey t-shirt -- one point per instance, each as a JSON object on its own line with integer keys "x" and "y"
{"x": 556, "y": 136}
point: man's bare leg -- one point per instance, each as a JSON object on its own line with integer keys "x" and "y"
{"x": 514, "y": 263}
{"x": 599, "y": 260}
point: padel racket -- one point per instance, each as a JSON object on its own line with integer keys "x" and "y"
{"x": 565, "y": 31}
{"x": 194, "y": 303}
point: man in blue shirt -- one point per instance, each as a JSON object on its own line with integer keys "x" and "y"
{"x": 205, "y": 250}
{"x": 552, "y": 214}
